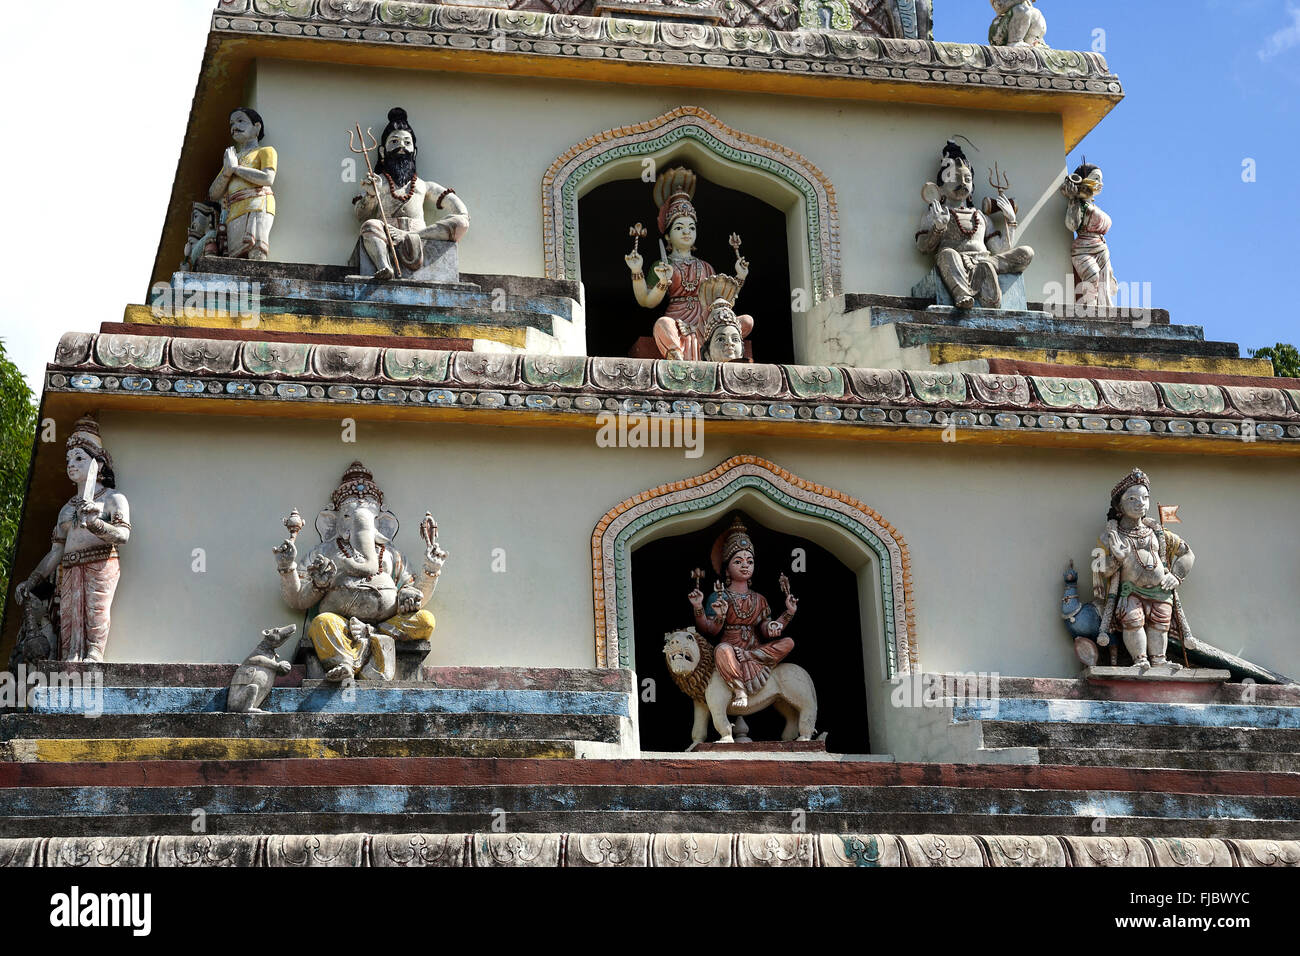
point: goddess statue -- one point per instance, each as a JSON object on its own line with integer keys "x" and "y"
{"x": 1089, "y": 252}
{"x": 83, "y": 555}
{"x": 243, "y": 187}
{"x": 968, "y": 258}
{"x": 1139, "y": 571}
{"x": 367, "y": 595}
{"x": 679, "y": 333}
{"x": 743, "y": 617}
{"x": 397, "y": 196}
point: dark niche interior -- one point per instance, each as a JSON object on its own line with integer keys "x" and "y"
{"x": 826, "y": 631}
{"x": 614, "y": 319}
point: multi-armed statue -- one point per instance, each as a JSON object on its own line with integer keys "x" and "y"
{"x": 680, "y": 333}
{"x": 969, "y": 258}
{"x": 365, "y": 591}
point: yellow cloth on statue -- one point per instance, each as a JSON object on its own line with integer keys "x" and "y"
{"x": 334, "y": 645}
{"x": 262, "y": 158}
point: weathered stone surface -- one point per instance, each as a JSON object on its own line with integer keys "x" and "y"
{"x": 517, "y": 849}
{"x": 1107, "y": 851}
{"x": 326, "y": 850}
{"x": 608, "y": 849}
{"x": 219, "y": 851}
{"x": 1025, "y": 851}
{"x": 786, "y": 849}
{"x": 1267, "y": 852}
{"x": 420, "y": 849}
{"x": 691, "y": 849}
{"x": 962, "y": 851}
{"x": 863, "y": 851}
{"x": 20, "y": 852}
{"x": 97, "y": 852}
{"x": 1189, "y": 853}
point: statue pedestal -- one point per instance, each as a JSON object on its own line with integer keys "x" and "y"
{"x": 1191, "y": 685}
{"x": 763, "y": 746}
{"x": 1013, "y": 292}
{"x": 410, "y": 659}
{"x": 441, "y": 263}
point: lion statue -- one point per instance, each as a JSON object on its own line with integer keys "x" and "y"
{"x": 789, "y": 689}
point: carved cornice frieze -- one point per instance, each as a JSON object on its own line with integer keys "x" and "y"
{"x": 200, "y": 369}
{"x": 748, "y": 46}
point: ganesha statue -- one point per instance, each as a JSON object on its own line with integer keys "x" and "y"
{"x": 366, "y": 595}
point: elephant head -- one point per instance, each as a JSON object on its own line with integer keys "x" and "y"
{"x": 356, "y": 518}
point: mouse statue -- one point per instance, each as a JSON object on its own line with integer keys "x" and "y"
{"x": 254, "y": 678}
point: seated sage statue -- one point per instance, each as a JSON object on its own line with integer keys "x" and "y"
{"x": 405, "y": 199}
{"x": 968, "y": 257}
{"x": 366, "y": 594}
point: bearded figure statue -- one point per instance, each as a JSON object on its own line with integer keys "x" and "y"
{"x": 395, "y": 201}
{"x": 365, "y": 594}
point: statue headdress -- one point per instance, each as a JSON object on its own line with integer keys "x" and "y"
{"x": 673, "y": 192}
{"x": 953, "y": 158}
{"x": 85, "y": 435}
{"x": 718, "y": 294}
{"x": 734, "y": 539}
{"x": 397, "y": 120}
{"x": 1135, "y": 477}
{"x": 358, "y": 482}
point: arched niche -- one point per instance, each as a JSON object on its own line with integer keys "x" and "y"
{"x": 693, "y": 137}
{"x": 852, "y": 532}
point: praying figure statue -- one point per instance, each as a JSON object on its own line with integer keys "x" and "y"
{"x": 243, "y": 187}
{"x": 724, "y": 341}
{"x": 394, "y": 202}
{"x": 367, "y": 595}
{"x": 82, "y": 559}
{"x": 968, "y": 257}
{"x": 1089, "y": 252}
{"x": 1141, "y": 567}
{"x": 679, "y": 333}
{"x": 752, "y": 642}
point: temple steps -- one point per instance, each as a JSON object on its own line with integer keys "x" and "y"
{"x": 317, "y": 726}
{"x": 110, "y": 749}
{"x": 992, "y": 321}
{"x": 1173, "y": 759}
{"x": 1139, "y": 737}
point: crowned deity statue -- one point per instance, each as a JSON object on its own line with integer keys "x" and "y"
{"x": 366, "y": 594}
{"x": 1139, "y": 571}
{"x": 679, "y": 333}
{"x": 1089, "y": 252}
{"x": 968, "y": 257}
{"x": 751, "y": 641}
{"x": 724, "y": 341}
{"x": 395, "y": 205}
{"x": 243, "y": 187}
{"x": 82, "y": 560}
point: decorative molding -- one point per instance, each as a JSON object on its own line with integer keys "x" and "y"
{"x": 643, "y": 849}
{"x": 748, "y": 48}
{"x": 563, "y": 179}
{"x": 611, "y": 557}
{"x": 1253, "y": 419}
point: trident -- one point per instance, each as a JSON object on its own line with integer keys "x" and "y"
{"x": 365, "y": 152}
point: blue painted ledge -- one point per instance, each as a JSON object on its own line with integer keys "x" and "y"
{"x": 1128, "y": 712}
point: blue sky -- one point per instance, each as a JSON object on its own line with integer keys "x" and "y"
{"x": 1210, "y": 83}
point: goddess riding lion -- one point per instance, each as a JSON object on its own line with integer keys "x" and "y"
{"x": 788, "y": 688}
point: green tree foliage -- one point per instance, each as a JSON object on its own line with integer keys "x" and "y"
{"x": 1285, "y": 359}
{"x": 17, "y": 431}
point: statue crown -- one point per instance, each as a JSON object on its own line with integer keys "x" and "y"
{"x": 358, "y": 482}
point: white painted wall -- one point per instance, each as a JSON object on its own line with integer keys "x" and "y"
{"x": 493, "y": 138}
{"x": 990, "y": 530}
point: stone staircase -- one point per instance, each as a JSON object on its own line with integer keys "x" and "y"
{"x": 494, "y": 311}
{"x": 538, "y": 751}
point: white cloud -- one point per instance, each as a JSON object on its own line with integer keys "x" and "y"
{"x": 1282, "y": 40}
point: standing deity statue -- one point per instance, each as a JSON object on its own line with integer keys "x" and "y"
{"x": 679, "y": 333}
{"x": 365, "y": 592}
{"x": 394, "y": 201}
{"x": 1089, "y": 252}
{"x": 743, "y": 618}
{"x": 83, "y": 555}
{"x": 724, "y": 340}
{"x": 968, "y": 258}
{"x": 1017, "y": 23}
{"x": 1140, "y": 569}
{"x": 243, "y": 187}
